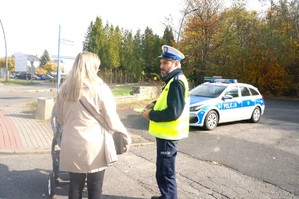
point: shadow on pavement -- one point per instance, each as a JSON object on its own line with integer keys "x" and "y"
{"x": 23, "y": 184}
{"x": 33, "y": 184}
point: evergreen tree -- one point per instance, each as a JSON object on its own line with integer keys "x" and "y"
{"x": 114, "y": 44}
{"x": 168, "y": 38}
{"x": 95, "y": 38}
{"x": 138, "y": 59}
{"x": 87, "y": 41}
{"x": 151, "y": 49}
{"x": 127, "y": 51}
{"x": 44, "y": 58}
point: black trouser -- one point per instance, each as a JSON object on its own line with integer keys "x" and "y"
{"x": 94, "y": 185}
{"x": 165, "y": 167}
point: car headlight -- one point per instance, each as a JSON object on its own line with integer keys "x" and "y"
{"x": 196, "y": 108}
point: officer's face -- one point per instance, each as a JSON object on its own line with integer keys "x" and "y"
{"x": 166, "y": 66}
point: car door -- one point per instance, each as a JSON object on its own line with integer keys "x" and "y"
{"x": 231, "y": 105}
{"x": 248, "y": 103}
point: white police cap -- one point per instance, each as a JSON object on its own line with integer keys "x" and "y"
{"x": 169, "y": 52}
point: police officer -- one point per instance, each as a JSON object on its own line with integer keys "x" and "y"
{"x": 169, "y": 120}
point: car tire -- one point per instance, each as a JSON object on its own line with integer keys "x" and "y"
{"x": 211, "y": 120}
{"x": 256, "y": 115}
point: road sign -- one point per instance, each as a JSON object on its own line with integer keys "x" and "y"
{"x": 20, "y": 62}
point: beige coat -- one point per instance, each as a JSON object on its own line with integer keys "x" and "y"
{"x": 82, "y": 144}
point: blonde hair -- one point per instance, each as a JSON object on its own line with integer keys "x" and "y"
{"x": 84, "y": 72}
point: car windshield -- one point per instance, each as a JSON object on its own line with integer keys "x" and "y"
{"x": 208, "y": 90}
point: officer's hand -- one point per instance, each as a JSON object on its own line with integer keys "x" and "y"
{"x": 145, "y": 114}
{"x": 151, "y": 105}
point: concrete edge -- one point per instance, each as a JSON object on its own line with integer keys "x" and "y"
{"x": 23, "y": 151}
{"x": 137, "y": 141}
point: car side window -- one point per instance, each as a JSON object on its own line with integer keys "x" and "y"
{"x": 244, "y": 91}
{"x": 233, "y": 92}
{"x": 253, "y": 92}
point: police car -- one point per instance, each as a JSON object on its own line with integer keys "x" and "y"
{"x": 224, "y": 100}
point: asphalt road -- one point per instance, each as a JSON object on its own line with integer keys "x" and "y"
{"x": 268, "y": 150}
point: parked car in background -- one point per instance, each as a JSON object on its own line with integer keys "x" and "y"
{"x": 13, "y": 75}
{"x": 224, "y": 100}
{"x": 27, "y": 76}
{"x": 23, "y": 76}
{"x": 35, "y": 77}
{"x": 48, "y": 77}
{"x": 45, "y": 76}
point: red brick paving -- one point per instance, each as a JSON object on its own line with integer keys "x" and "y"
{"x": 20, "y": 132}
{"x": 9, "y": 138}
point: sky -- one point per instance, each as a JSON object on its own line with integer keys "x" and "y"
{"x": 32, "y": 26}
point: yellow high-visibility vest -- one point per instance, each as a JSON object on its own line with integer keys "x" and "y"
{"x": 173, "y": 130}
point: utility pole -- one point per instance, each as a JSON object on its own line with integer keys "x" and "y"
{"x": 61, "y": 41}
{"x": 6, "y": 58}
{"x": 58, "y": 60}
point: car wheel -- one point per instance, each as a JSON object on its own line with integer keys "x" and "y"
{"x": 211, "y": 120}
{"x": 256, "y": 115}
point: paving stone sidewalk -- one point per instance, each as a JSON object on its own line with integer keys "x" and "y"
{"x": 20, "y": 132}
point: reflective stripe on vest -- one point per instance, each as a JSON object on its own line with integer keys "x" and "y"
{"x": 173, "y": 130}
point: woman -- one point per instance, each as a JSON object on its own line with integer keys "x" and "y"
{"x": 82, "y": 146}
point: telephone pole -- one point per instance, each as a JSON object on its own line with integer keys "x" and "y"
{"x": 6, "y": 58}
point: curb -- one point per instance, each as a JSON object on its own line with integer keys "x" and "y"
{"x": 24, "y": 151}
{"x": 137, "y": 141}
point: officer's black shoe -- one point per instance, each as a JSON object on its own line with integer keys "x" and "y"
{"x": 156, "y": 197}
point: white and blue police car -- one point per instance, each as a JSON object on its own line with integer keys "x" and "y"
{"x": 224, "y": 100}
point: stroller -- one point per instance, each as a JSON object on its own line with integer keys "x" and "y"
{"x": 56, "y": 174}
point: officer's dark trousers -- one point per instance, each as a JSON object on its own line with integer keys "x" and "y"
{"x": 165, "y": 168}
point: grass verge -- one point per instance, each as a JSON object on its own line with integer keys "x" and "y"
{"x": 121, "y": 91}
{"x": 19, "y": 82}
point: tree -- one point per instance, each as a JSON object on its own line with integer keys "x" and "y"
{"x": 50, "y": 67}
{"x": 127, "y": 51}
{"x": 87, "y": 41}
{"x": 40, "y": 70}
{"x": 120, "y": 49}
{"x": 138, "y": 59}
{"x": 168, "y": 38}
{"x": 130, "y": 55}
{"x": 151, "y": 44}
{"x": 11, "y": 63}
{"x": 236, "y": 42}
{"x": 114, "y": 44}
{"x": 282, "y": 30}
{"x": 96, "y": 39}
{"x": 200, "y": 28}
{"x": 44, "y": 58}
{"x": 233, "y": 43}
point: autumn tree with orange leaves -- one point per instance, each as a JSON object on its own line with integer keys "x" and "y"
{"x": 198, "y": 36}
{"x": 241, "y": 44}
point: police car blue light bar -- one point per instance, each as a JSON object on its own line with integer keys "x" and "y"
{"x": 218, "y": 80}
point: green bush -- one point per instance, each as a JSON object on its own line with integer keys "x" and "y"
{"x": 121, "y": 91}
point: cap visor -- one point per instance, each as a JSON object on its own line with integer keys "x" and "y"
{"x": 165, "y": 57}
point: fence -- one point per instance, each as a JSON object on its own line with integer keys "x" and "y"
{"x": 118, "y": 76}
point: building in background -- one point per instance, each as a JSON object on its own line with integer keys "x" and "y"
{"x": 66, "y": 63}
